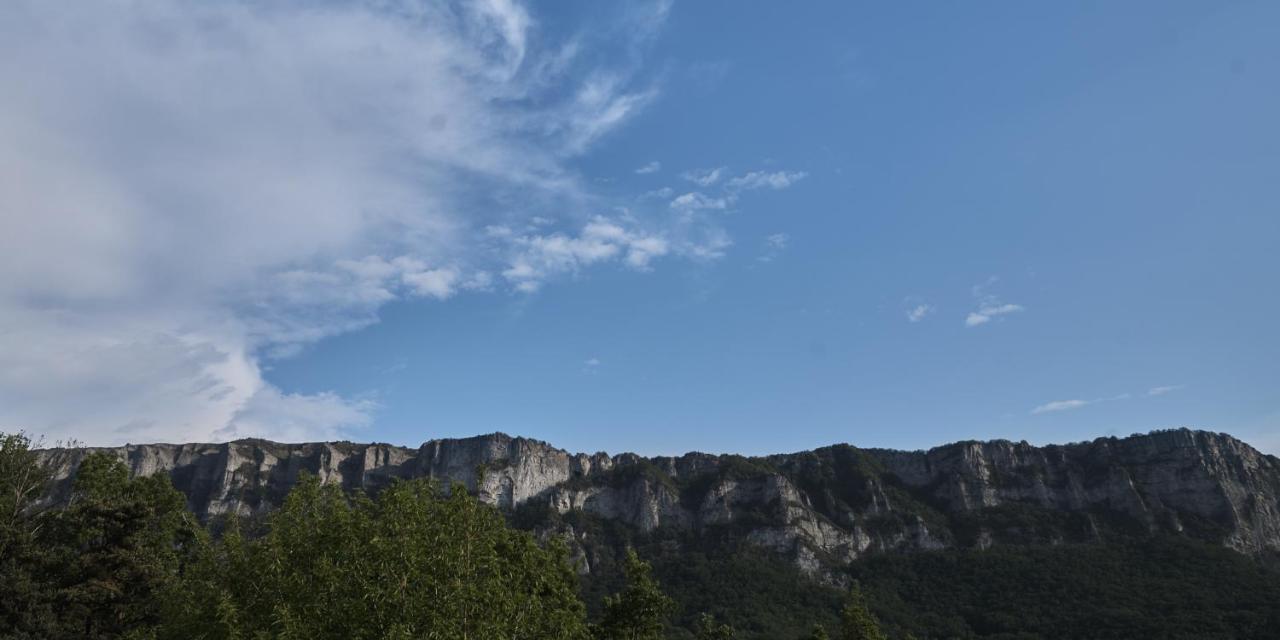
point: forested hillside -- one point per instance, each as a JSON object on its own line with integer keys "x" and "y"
{"x": 111, "y": 553}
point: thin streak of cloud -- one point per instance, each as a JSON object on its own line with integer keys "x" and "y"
{"x": 990, "y": 307}
{"x": 766, "y": 179}
{"x": 1060, "y": 405}
{"x": 1069, "y": 405}
{"x": 696, "y": 201}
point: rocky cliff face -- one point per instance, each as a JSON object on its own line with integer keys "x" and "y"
{"x": 820, "y": 508}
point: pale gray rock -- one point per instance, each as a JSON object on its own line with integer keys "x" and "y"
{"x": 820, "y": 508}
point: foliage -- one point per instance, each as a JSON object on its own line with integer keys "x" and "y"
{"x": 95, "y": 567}
{"x": 856, "y": 621}
{"x": 24, "y": 597}
{"x": 639, "y": 611}
{"x": 1134, "y": 587}
{"x": 119, "y": 543}
{"x": 708, "y": 629}
{"x": 1150, "y": 588}
{"x": 122, "y": 557}
{"x": 412, "y": 564}
{"x": 762, "y": 595}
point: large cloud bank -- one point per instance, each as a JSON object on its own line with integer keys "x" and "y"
{"x": 188, "y": 189}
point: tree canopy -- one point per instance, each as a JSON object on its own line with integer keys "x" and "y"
{"x": 411, "y": 563}
{"x": 639, "y": 611}
{"x": 856, "y": 621}
{"x": 96, "y": 566}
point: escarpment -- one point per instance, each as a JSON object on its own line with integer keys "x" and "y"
{"x": 820, "y": 508}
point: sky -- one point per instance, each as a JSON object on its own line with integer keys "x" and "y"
{"x": 646, "y": 226}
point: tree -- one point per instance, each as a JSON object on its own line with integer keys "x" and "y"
{"x": 119, "y": 543}
{"x": 708, "y": 629}
{"x": 856, "y": 621}
{"x": 22, "y": 480}
{"x": 25, "y": 596}
{"x": 819, "y": 633}
{"x": 410, "y": 564}
{"x": 93, "y": 565}
{"x": 639, "y": 611}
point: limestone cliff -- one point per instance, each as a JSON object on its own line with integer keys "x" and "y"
{"x": 820, "y": 507}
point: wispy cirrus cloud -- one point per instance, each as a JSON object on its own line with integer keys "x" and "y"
{"x": 697, "y": 201}
{"x": 652, "y": 167}
{"x": 919, "y": 312}
{"x": 987, "y": 312}
{"x": 704, "y": 177}
{"x": 543, "y": 256}
{"x": 730, "y": 191}
{"x": 1159, "y": 391}
{"x": 1068, "y": 405}
{"x": 990, "y": 306}
{"x": 1060, "y": 405}
{"x": 766, "y": 180}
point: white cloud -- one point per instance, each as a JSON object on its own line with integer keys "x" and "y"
{"x": 704, "y": 177}
{"x": 191, "y": 187}
{"x": 712, "y": 245}
{"x": 919, "y": 312}
{"x": 652, "y": 167}
{"x": 1159, "y": 391}
{"x": 766, "y": 179}
{"x": 990, "y": 307}
{"x": 1068, "y": 405}
{"x": 539, "y": 257}
{"x": 695, "y": 201}
{"x": 642, "y": 250}
{"x": 985, "y": 313}
{"x": 295, "y": 418}
{"x": 599, "y": 106}
{"x": 729, "y": 192}
{"x": 1060, "y": 405}
{"x": 435, "y": 283}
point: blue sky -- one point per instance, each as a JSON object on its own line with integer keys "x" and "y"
{"x": 706, "y": 225}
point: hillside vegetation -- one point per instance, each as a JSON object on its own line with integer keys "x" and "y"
{"x": 123, "y": 556}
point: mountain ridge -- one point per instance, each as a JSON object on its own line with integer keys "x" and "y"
{"x": 820, "y": 508}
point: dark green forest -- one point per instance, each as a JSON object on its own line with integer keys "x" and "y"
{"x": 122, "y": 557}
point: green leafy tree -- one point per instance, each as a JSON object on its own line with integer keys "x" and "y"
{"x": 708, "y": 629}
{"x": 26, "y": 597}
{"x": 410, "y": 564}
{"x": 856, "y": 621}
{"x": 92, "y": 566}
{"x": 120, "y": 543}
{"x": 639, "y": 611}
{"x": 819, "y": 633}
{"x": 22, "y": 480}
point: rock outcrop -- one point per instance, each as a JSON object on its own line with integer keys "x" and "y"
{"x": 820, "y": 507}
